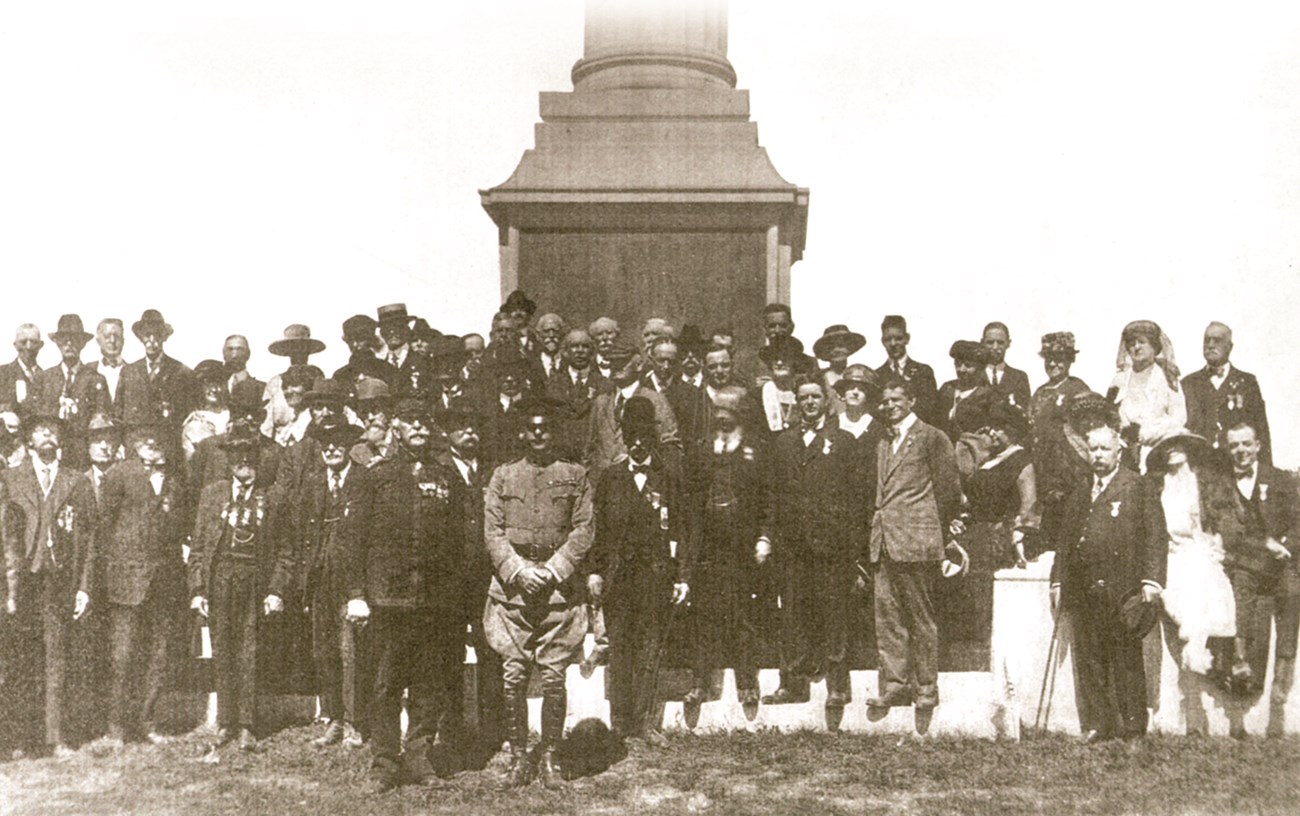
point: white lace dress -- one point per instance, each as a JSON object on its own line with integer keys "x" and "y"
{"x": 1197, "y": 596}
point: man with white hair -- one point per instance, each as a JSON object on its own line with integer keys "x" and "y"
{"x": 1221, "y": 395}
{"x": 550, "y": 333}
{"x": 18, "y": 378}
{"x": 110, "y": 336}
{"x": 656, "y": 329}
{"x": 604, "y": 330}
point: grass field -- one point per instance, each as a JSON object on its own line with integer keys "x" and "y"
{"x": 801, "y": 773}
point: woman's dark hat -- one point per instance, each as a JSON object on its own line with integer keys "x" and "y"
{"x": 838, "y": 335}
{"x": 297, "y": 340}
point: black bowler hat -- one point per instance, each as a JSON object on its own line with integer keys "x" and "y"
{"x": 638, "y": 414}
{"x": 788, "y": 349}
{"x": 692, "y": 340}
{"x": 241, "y": 438}
{"x": 1138, "y": 616}
{"x": 372, "y": 395}
{"x": 101, "y": 426}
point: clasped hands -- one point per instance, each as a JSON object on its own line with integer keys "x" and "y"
{"x": 533, "y": 579}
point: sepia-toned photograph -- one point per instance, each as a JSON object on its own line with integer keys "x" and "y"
{"x": 513, "y": 407}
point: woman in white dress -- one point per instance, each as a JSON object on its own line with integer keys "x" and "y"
{"x": 1197, "y": 597}
{"x": 1146, "y": 389}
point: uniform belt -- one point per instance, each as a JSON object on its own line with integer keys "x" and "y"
{"x": 534, "y": 551}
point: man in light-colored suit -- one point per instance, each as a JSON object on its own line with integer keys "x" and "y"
{"x": 917, "y": 495}
{"x": 604, "y": 433}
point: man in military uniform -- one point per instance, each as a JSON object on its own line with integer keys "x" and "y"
{"x": 538, "y": 529}
{"x": 406, "y": 575}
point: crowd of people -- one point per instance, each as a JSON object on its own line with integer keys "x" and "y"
{"x": 519, "y": 493}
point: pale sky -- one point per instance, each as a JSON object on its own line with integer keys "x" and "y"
{"x": 241, "y": 166}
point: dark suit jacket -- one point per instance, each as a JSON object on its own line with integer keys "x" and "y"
{"x": 1244, "y": 538}
{"x": 90, "y": 391}
{"x": 11, "y": 373}
{"x": 141, "y": 534}
{"x": 406, "y": 548}
{"x": 1211, "y": 412}
{"x": 918, "y": 492}
{"x": 746, "y": 486}
{"x": 817, "y": 496}
{"x": 210, "y": 526}
{"x": 165, "y": 401}
{"x": 368, "y": 365}
{"x": 572, "y": 437}
{"x": 924, "y": 387}
{"x": 478, "y": 567}
{"x": 116, "y": 396}
{"x": 1014, "y": 387}
{"x": 688, "y": 408}
{"x": 632, "y": 536}
{"x": 308, "y": 557}
{"x": 1119, "y": 539}
{"x": 605, "y": 435}
{"x": 944, "y": 405}
{"x": 68, "y": 511}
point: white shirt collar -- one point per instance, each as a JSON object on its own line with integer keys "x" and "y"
{"x": 1219, "y": 380}
{"x": 900, "y": 364}
{"x": 240, "y": 490}
{"x": 727, "y": 443}
{"x": 1100, "y": 483}
{"x": 696, "y": 381}
{"x": 1246, "y": 481}
{"x": 342, "y": 474}
{"x": 628, "y": 391}
{"x": 52, "y": 467}
{"x": 904, "y": 425}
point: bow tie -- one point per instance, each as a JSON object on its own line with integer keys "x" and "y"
{"x": 1219, "y": 371}
{"x": 641, "y": 468}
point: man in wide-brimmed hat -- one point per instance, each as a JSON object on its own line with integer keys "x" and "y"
{"x": 72, "y": 391}
{"x": 18, "y": 378}
{"x": 309, "y": 573}
{"x": 156, "y": 390}
{"x": 446, "y": 362}
{"x": 49, "y": 539}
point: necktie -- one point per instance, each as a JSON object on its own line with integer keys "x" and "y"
{"x": 153, "y": 371}
{"x": 392, "y": 358}
{"x": 44, "y": 474}
{"x": 1219, "y": 371}
{"x": 1096, "y": 489}
{"x": 618, "y": 408}
{"x": 336, "y": 484}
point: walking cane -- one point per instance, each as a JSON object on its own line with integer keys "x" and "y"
{"x": 1048, "y": 687}
{"x": 658, "y": 659}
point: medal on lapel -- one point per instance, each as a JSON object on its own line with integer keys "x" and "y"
{"x": 166, "y": 504}
{"x": 826, "y": 447}
{"x": 1263, "y": 492}
{"x": 66, "y": 518}
{"x": 1114, "y": 509}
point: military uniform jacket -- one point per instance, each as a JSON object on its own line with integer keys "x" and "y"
{"x": 88, "y": 389}
{"x": 1112, "y": 545}
{"x": 1211, "y": 412}
{"x": 918, "y": 492}
{"x": 141, "y": 534}
{"x": 312, "y": 541}
{"x": 54, "y": 534}
{"x": 405, "y": 548}
{"x": 817, "y": 495}
{"x": 166, "y": 400}
{"x": 635, "y": 527}
{"x": 215, "y": 525}
{"x": 1268, "y": 513}
{"x": 538, "y": 515}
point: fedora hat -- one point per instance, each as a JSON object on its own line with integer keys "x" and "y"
{"x": 211, "y": 371}
{"x": 247, "y": 395}
{"x": 639, "y": 412}
{"x": 151, "y": 321}
{"x": 70, "y": 328}
{"x": 102, "y": 426}
{"x": 335, "y": 429}
{"x": 393, "y": 312}
{"x": 373, "y": 393}
{"x": 325, "y": 390}
{"x": 239, "y": 438}
{"x": 297, "y": 340}
{"x": 838, "y": 335}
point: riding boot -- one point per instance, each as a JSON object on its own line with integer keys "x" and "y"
{"x": 553, "y": 711}
{"x": 515, "y": 711}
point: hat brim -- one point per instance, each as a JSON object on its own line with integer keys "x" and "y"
{"x": 1197, "y": 446}
{"x": 84, "y": 337}
{"x": 1139, "y": 616}
{"x": 289, "y": 348}
{"x": 139, "y": 327}
{"x": 844, "y": 384}
{"x": 852, "y": 341}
